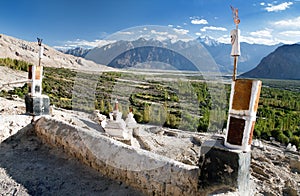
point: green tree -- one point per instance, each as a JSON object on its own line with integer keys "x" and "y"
{"x": 146, "y": 113}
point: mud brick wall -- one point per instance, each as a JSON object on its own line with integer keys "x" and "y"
{"x": 151, "y": 173}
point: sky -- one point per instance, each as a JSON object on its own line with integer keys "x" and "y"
{"x": 87, "y": 23}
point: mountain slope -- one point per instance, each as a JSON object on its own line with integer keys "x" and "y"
{"x": 283, "y": 63}
{"x": 28, "y": 51}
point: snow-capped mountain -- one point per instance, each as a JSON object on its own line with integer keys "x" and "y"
{"x": 143, "y": 53}
{"x": 78, "y": 51}
{"x": 251, "y": 54}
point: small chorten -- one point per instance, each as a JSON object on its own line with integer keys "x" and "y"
{"x": 130, "y": 121}
{"x": 116, "y": 126}
{"x": 116, "y": 115}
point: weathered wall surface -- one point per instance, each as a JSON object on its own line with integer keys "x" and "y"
{"x": 151, "y": 173}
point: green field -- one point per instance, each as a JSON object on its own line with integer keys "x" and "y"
{"x": 166, "y": 99}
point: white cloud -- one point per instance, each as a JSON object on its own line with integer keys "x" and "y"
{"x": 199, "y": 21}
{"x": 286, "y": 37}
{"x": 170, "y": 25}
{"x": 224, "y": 39}
{"x": 279, "y": 7}
{"x": 290, "y": 33}
{"x": 258, "y": 40}
{"x": 84, "y": 44}
{"x": 267, "y": 33}
{"x": 250, "y": 39}
{"x": 181, "y": 31}
{"x": 172, "y": 37}
{"x": 158, "y": 32}
{"x": 265, "y": 37}
{"x": 291, "y": 23}
{"x": 125, "y": 33}
{"x": 262, "y": 3}
{"x": 198, "y": 34}
{"x": 160, "y": 38}
{"x": 212, "y": 28}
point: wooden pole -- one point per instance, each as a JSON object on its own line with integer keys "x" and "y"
{"x": 234, "y": 67}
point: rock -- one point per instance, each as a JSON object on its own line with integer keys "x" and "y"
{"x": 99, "y": 118}
{"x": 196, "y": 140}
{"x": 294, "y": 149}
{"x": 295, "y": 165}
{"x": 289, "y": 189}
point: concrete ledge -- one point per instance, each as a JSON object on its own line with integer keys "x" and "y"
{"x": 37, "y": 105}
{"x": 151, "y": 173}
{"x": 224, "y": 169}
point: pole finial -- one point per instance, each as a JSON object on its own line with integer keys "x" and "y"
{"x": 235, "y": 14}
{"x": 39, "y": 41}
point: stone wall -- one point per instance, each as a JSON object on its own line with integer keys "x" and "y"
{"x": 151, "y": 173}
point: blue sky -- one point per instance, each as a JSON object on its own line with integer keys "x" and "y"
{"x": 87, "y": 22}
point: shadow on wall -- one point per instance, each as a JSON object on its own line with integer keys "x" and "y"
{"x": 92, "y": 125}
{"x": 43, "y": 170}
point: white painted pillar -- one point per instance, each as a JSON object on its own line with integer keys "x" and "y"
{"x": 36, "y": 76}
{"x": 243, "y": 106}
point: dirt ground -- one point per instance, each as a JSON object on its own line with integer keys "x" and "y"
{"x": 29, "y": 167}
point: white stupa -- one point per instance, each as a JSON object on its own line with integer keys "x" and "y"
{"x": 116, "y": 126}
{"x": 130, "y": 121}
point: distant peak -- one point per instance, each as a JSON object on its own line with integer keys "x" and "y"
{"x": 208, "y": 40}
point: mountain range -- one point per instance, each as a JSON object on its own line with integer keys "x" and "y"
{"x": 251, "y": 54}
{"x": 154, "y": 54}
{"x": 277, "y": 62}
{"x": 283, "y": 63}
{"x": 78, "y": 51}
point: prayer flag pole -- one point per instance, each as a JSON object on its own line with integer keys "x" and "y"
{"x": 234, "y": 34}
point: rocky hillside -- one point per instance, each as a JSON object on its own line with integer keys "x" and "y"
{"x": 78, "y": 51}
{"x": 28, "y": 51}
{"x": 283, "y": 63}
